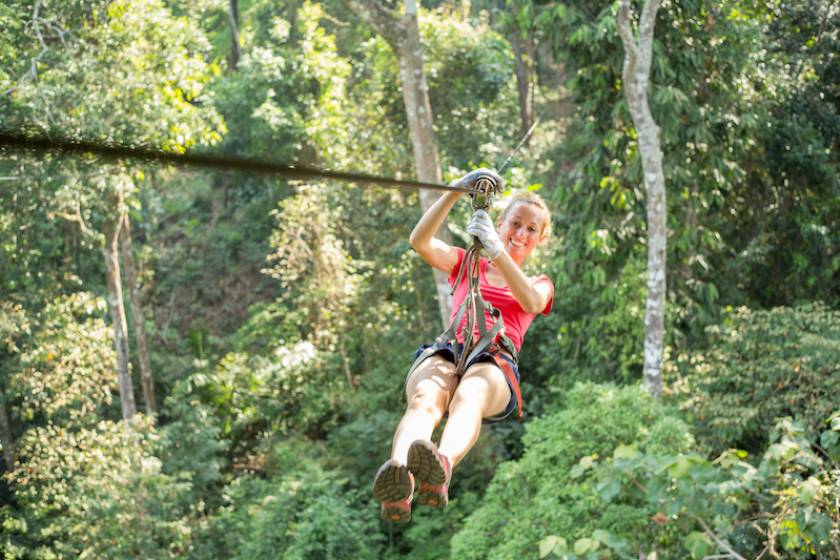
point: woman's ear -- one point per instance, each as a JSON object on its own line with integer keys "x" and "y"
{"x": 543, "y": 235}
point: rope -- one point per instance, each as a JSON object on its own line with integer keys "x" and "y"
{"x": 115, "y": 151}
{"x": 521, "y": 142}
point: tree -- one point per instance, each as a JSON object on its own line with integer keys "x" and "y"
{"x": 636, "y": 73}
{"x": 105, "y": 81}
{"x": 147, "y": 382}
{"x": 234, "y": 56}
{"x": 13, "y": 322}
{"x": 520, "y": 26}
{"x": 403, "y": 35}
{"x": 111, "y": 253}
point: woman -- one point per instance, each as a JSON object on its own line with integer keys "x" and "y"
{"x": 488, "y": 388}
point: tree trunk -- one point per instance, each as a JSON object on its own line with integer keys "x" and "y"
{"x": 233, "y": 15}
{"x": 637, "y": 60}
{"x": 110, "y": 251}
{"x": 146, "y": 379}
{"x": 403, "y": 35}
{"x": 523, "y": 81}
{"x": 6, "y": 438}
{"x": 420, "y": 123}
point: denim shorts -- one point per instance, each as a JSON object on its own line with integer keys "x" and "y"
{"x": 448, "y": 353}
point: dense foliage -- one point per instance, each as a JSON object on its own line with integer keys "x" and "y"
{"x": 281, "y": 315}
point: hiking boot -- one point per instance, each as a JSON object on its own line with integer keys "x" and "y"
{"x": 393, "y": 488}
{"x": 433, "y": 470}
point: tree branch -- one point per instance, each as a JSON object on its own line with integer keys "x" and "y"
{"x": 35, "y": 24}
{"x": 720, "y": 542}
{"x": 630, "y": 48}
{"x": 646, "y": 25}
{"x": 75, "y": 217}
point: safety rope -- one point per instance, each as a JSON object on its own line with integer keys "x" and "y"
{"x": 521, "y": 142}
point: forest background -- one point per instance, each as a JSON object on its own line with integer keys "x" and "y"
{"x": 268, "y": 323}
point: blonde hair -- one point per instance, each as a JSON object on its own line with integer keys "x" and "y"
{"x": 530, "y": 197}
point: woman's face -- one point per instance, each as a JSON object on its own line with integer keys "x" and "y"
{"x": 522, "y": 230}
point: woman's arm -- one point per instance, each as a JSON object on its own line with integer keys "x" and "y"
{"x": 437, "y": 253}
{"x": 532, "y": 297}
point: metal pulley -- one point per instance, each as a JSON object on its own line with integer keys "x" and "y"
{"x": 483, "y": 187}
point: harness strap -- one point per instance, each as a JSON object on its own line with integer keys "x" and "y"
{"x": 506, "y": 368}
{"x": 485, "y": 340}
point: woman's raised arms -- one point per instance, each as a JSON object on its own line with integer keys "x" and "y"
{"x": 437, "y": 253}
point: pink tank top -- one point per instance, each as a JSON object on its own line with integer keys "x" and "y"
{"x": 516, "y": 319}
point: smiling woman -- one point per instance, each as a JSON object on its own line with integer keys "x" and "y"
{"x": 485, "y": 386}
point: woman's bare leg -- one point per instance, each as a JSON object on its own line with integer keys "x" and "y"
{"x": 428, "y": 392}
{"x": 483, "y": 392}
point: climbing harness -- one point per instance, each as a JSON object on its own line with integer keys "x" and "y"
{"x": 474, "y": 307}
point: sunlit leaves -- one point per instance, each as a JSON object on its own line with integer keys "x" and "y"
{"x": 68, "y": 374}
{"x": 99, "y": 492}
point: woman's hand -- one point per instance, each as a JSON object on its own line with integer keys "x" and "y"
{"x": 481, "y": 226}
{"x": 469, "y": 180}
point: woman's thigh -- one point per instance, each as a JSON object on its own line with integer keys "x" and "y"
{"x": 485, "y": 383}
{"x": 433, "y": 377}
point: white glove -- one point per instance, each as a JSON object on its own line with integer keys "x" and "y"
{"x": 482, "y": 227}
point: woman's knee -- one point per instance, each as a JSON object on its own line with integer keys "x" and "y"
{"x": 428, "y": 398}
{"x": 433, "y": 376}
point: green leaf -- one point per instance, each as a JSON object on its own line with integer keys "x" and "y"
{"x": 585, "y": 545}
{"x": 609, "y": 489}
{"x": 625, "y": 452}
{"x": 680, "y": 467}
{"x": 552, "y": 543}
{"x": 582, "y": 466}
{"x": 698, "y": 544}
{"x": 606, "y": 538}
{"x": 809, "y": 490}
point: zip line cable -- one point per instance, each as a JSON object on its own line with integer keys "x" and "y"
{"x": 114, "y": 151}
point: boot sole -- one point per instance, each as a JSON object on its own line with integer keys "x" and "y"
{"x": 392, "y": 483}
{"x": 424, "y": 463}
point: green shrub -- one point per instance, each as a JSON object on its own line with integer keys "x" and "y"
{"x": 190, "y": 445}
{"x": 785, "y": 505}
{"x": 67, "y": 374}
{"x": 85, "y": 486}
{"x": 761, "y": 365}
{"x": 300, "y": 511}
{"x": 98, "y": 492}
{"x": 540, "y": 495}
